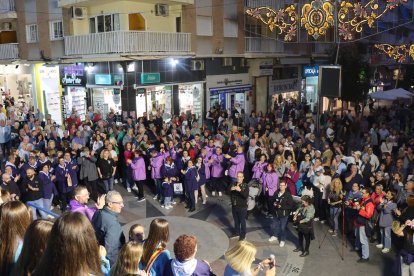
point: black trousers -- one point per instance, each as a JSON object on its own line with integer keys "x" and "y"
{"x": 239, "y": 217}
{"x": 307, "y": 238}
{"x": 140, "y": 185}
{"x": 92, "y": 187}
{"x": 217, "y": 184}
{"x": 317, "y": 202}
{"x": 64, "y": 200}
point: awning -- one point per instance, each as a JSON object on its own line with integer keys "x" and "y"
{"x": 231, "y": 89}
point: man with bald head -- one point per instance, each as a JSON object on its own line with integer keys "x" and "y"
{"x": 9, "y": 185}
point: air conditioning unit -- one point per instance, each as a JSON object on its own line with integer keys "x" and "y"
{"x": 79, "y": 12}
{"x": 6, "y": 26}
{"x": 243, "y": 62}
{"x": 228, "y": 61}
{"x": 197, "y": 65}
{"x": 161, "y": 10}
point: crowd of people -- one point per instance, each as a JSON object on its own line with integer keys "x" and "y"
{"x": 354, "y": 173}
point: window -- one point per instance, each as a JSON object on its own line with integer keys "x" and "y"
{"x": 230, "y": 28}
{"x": 204, "y": 25}
{"x": 56, "y": 30}
{"x": 104, "y": 23}
{"x": 31, "y": 33}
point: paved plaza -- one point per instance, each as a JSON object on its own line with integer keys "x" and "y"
{"x": 212, "y": 224}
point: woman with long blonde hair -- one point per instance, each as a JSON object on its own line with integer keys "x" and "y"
{"x": 156, "y": 255}
{"x": 279, "y": 165}
{"x": 240, "y": 259}
{"x": 334, "y": 200}
{"x": 128, "y": 260}
{"x": 15, "y": 218}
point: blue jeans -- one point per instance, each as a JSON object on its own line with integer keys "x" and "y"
{"x": 333, "y": 217}
{"x": 167, "y": 201}
{"x": 158, "y": 187}
{"x": 128, "y": 177}
{"x": 38, "y": 202}
{"x": 278, "y": 227}
{"x": 109, "y": 184}
{"x": 47, "y": 203}
{"x": 386, "y": 237}
{"x": 362, "y": 241}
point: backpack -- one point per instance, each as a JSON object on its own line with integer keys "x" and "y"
{"x": 299, "y": 187}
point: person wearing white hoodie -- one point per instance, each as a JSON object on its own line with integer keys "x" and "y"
{"x": 185, "y": 263}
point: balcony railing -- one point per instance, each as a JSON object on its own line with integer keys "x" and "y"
{"x": 122, "y": 42}
{"x": 263, "y": 45}
{"x": 9, "y": 51}
{"x": 7, "y": 6}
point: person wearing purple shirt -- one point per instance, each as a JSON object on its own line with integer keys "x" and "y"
{"x": 190, "y": 184}
{"x": 80, "y": 201}
{"x": 210, "y": 148}
{"x": 206, "y": 158}
{"x": 201, "y": 169}
{"x": 139, "y": 173}
{"x": 171, "y": 150}
{"x": 156, "y": 161}
{"x": 48, "y": 188}
{"x": 64, "y": 183}
{"x": 216, "y": 164}
{"x": 72, "y": 167}
{"x": 28, "y": 165}
{"x": 237, "y": 164}
{"x": 259, "y": 167}
{"x": 270, "y": 182}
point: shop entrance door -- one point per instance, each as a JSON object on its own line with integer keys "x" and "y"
{"x": 235, "y": 98}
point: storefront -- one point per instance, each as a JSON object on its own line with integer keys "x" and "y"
{"x": 106, "y": 93}
{"x": 73, "y": 81}
{"x": 49, "y": 91}
{"x": 225, "y": 91}
{"x": 311, "y": 73}
{"x": 284, "y": 89}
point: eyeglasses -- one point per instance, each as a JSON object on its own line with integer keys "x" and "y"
{"x": 118, "y": 202}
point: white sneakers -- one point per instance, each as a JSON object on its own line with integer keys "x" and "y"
{"x": 380, "y": 246}
{"x": 155, "y": 197}
{"x": 129, "y": 190}
{"x": 385, "y": 250}
{"x": 213, "y": 193}
{"x": 273, "y": 239}
{"x": 220, "y": 194}
{"x": 135, "y": 188}
{"x": 282, "y": 243}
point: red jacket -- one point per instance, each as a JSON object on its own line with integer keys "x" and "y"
{"x": 368, "y": 212}
{"x": 376, "y": 199}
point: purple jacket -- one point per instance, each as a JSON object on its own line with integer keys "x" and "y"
{"x": 237, "y": 165}
{"x": 167, "y": 189}
{"x": 72, "y": 169}
{"x": 206, "y": 166}
{"x": 156, "y": 163}
{"x": 217, "y": 165}
{"x": 258, "y": 170}
{"x": 210, "y": 151}
{"x": 48, "y": 187}
{"x": 138, "y": 169}
{"x": 169, "y": 170}
{"x": 271, "y": 182}
{"x": 190, "y": 179}
{"x": 173, "y": 153}
{"x": 75, "y": 206}
{"x": 61, "y": 181}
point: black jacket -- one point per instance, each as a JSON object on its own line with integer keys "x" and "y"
{"x": 239, "y": 199}
{"x": 283, "y": 204}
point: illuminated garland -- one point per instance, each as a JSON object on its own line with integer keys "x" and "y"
{"x": 397, "y": 52}
{"x": 317, "y": 17}
{"x": 284, "y": 21}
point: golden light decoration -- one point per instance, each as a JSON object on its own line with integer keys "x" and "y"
{"x": 353, "y": 16}
{"x": 317, "y": 17}
{"x": 397, "y": 52}
{"x": 284, "y": 21}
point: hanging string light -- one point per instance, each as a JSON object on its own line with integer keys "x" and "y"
{"x": 397, "y": 52}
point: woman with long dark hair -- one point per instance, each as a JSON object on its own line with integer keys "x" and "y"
{"x": 304, "y": 220}
{"x": 155, "y": 255}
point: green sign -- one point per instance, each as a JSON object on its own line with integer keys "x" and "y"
{"x": 150, "y": 78}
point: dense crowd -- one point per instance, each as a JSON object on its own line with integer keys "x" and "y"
{"x": 352, "y": 172}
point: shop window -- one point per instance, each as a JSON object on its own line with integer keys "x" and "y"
{"x": 104, "y": 23}
{"x": 136, "y": 22}
{"x": 56, "y": 30}
{"x": 31, "y": 33}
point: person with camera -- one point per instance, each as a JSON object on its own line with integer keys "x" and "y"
{"x": 362, "y": 224}
{"x": 351, "y": 199}
{"x": 283, "y": 204}
{"x": 386, "y": 209}
{"x": 303, "y": 218}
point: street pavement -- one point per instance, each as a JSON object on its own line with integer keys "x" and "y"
{"x": 212, "y": 224}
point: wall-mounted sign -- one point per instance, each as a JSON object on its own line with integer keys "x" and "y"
{"x": 266, "y": 68}
{"x": 311, "y": 71}
{"x": 118, "y": 79}
{"x": 150, "y": 78}
{"x": 283, "y": 86}
{"x": 72, "y": 75}
{"x": 103, "y": 79}
{"x": 234, "y": 89}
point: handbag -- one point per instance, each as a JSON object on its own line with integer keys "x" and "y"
{"x": 178, "y": 188}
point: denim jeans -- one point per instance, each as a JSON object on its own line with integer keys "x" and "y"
{"x": 128, "y": 177}
{"x": 38, "y": 202}
{"x": 386, "y": 237}
{"x": 109, "y": 184}
{"x": 47, "y": 203}
{"x": 158, "y": 187}
{"x": 333, "y": 217}
{"x": 278, "y": 227}
{"x": 407, "y": 270}
{"x": 362, "y": 241}
{"x": 167, "y": 201}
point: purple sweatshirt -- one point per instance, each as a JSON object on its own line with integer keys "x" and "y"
{"x": 138, "y": 169}
{"x": 217, "y": 165}
{"x": 156, "y": 163}
{"x": 75, "y": 206}
{"x": 271, "y": 182}
{"x": 237, "y": 165}
{"x": 206, "y": 166}
{"x": 258, "y": 170}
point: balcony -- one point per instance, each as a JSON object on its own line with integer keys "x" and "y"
{"x": 263, "y": 45}
{"x": 87, "y": 3}
{"x": 128, "y": 42}
{"x": 7, "y": 10}
{"x": 9, "y": 51}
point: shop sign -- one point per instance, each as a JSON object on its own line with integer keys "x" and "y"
{"x": 235, "y": 89}
{"x": 150, "y": 78}
{"x": 311, "y": 71}
{"x": 103, "y": 79}
{"x": 118, "y": 79}
{"x": 73, "y": 75}
{"x": 283, "y": 86}
{"x": 266, "y": 68}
